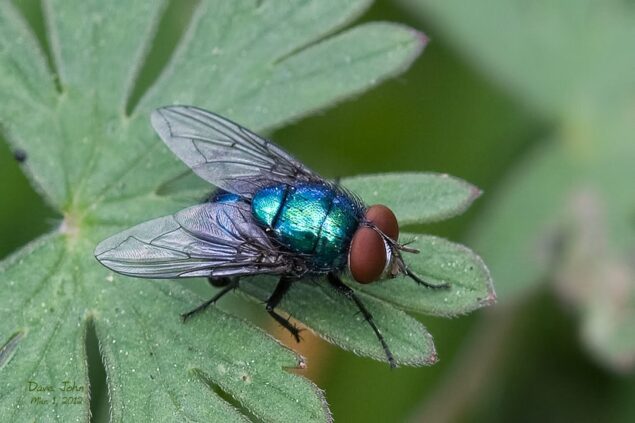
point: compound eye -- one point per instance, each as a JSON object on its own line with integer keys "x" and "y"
{"x": 367, "y": 258}
{"x": 384, "y": 219}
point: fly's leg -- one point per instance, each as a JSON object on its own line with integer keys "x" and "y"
{"x": 337, "y": 283}
{"x": 229, "y": 284}
{"x": 420, "y": 281}
{"x": 281, "y": 289}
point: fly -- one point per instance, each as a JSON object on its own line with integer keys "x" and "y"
{"x": 270, "y": 215}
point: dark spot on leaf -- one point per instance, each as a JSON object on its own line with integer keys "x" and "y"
{"x": 19, "y": 155}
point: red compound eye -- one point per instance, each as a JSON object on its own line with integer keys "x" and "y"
{"x": 367, "y": 258}
{"x": 384, "y": 219}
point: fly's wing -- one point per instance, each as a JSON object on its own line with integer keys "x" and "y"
{"x": 224, "y": 153}
{"x": 211, "y": 239}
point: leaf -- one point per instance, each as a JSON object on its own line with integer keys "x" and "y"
{"x": 578, "y": 45}
{"x": 576, "y": 230}
{"x": 329, "y": 314}
{"x": 416, "y": 197}
{"x": 103, "y": 171}
{"x": 518, "y": 233}
{"x": 597, "y": 280}
{"x": 596, "y": 270}
{"x": 336, "y": 319}
{"x": 439, "y": 262}
{"x": 572, "y": 61}
{"x": 134, "y": 323}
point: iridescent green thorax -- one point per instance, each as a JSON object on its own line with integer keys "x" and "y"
{"x": 310, "y": 219}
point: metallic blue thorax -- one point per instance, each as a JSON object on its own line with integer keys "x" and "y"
{"x": 309, "y": 218}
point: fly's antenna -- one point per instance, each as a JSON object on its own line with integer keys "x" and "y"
{"x": 399, "y": 265}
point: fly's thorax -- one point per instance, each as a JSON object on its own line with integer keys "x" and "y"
{"x": 313, "y": 219}
{"x": 371, "y": 256}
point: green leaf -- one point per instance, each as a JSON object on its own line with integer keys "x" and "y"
{"x": 596, "y": 270}
{"x": 577, "y": 47}
{"x": 336, "y": 319}
{"x": 416, "y": 197}
{"x": 259, "y": 63}
{"x": 596, "y": 279}
{"x": 571, "y": 60}
{"x": 29, "y": 86}
{"x": 136, "y": 324}
{"x": 577, "y": 231}
{"x": 518, "y": 233}
{"x": 439, "y": 262}
{"x": 330, "y": 315}
{"x": 102, "y": 170}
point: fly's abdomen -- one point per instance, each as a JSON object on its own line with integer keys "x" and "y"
{"x": 309, "y": 219}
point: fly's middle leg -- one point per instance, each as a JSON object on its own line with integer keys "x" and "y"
{"x": 228, "y": 284}
{"x": 281, "y": 289}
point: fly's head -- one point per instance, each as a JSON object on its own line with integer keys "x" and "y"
{"x": 374, "y": 253}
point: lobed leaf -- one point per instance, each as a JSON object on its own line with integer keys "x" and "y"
{"x": 105, "y": 171}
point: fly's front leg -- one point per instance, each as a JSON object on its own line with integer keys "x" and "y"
{"x": 281, "y": 289}
{"x": 345, "y": 290}
{"x": 420, "y": 281}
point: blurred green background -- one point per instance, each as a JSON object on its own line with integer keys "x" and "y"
{"x": 458, "y": 111}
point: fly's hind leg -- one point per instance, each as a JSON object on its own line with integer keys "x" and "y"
{"x": 228, "y": 285}
{"x": 345, "y": 290}
{"x": 281, "y": 289}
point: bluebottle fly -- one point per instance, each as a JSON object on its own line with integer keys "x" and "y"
{"x": 270, "y": 215}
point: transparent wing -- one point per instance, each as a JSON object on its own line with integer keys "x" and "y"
{"x": 211, "y": 239}
{"x": 224, "y": 153}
